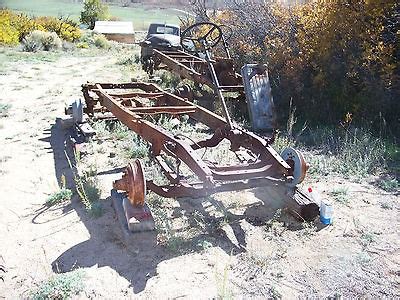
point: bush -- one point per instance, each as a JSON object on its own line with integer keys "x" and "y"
{"x": 61, "y": 286}
{"x": 330, "y": 57}
{"x": 82, "y": 45}
{"x": 41, "y": 40}
{"x": 8, "y": 34}
{"x": 100, "y": 41}
{"x": 15, "y": 28}
{"x": 58, "y": 197}
{"x": 93, "y": 10}
{"x": 90, "y": 38}
{"x": 63, "y": 29}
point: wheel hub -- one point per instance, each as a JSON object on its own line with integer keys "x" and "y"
{"x": 133, "y": 183}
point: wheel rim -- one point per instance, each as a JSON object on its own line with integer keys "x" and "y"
{"x": 296, "y": 161}
{"x": 133, "y": 183}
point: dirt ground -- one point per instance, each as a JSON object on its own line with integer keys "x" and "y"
{"x": 238, "y": 244}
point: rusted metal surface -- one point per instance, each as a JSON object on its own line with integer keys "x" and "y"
{"x": 267, "y": 163}
{"x": 133, "y": 183}
{"x": 266, "y": 167}
{"x": 218, "y": 72}
{"x": 134, "y": 103}
{"x": 196, "y": 69}
{"x": 298, "y": 164}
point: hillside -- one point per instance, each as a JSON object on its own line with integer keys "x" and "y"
{"x": 141, "y": 15}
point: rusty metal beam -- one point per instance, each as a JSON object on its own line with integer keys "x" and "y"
{"x": 156, "y": 136}
{"x": 163, "y": 109}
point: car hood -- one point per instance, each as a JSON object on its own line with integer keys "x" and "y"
{"x": 174, "y": 40}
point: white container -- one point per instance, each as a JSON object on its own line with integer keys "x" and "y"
{"x": 326, "y": 212}
{"x": 314, "y": 195}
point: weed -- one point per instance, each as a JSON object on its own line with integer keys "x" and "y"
{"x": 61, "y": 286}
{"x": 389, "y": 184}
{"x": 129, "y": 60}
{"x": 91, "y": 171}
{"x": 62, "y": 195}
{"x": 4, "y": 110}
{"x": 275, "y": 226}
{"x": 87, "y": 188}
{"x": 309, "y": 229}
{"x": 138, "y": 148}
{"x": 120, "y": 133}
{"x": 386, "y": 205}
{"x": 167, "y": 235}
{"x": 199, "y": 220}
{"x": 82, "y": 45}
{"x": 281, "y": 142}
{"x": 348, "y": 152}
{"x": 222, "y": 284}
{"x": 101, "y": 128}
{"x": 363, "y": 258}
{"x": 367, "y": 238}
{"x": 341, "y": 195}
{"x": 168, "y": 79}
{"x": 154, "y": 200}
{"x": 96, "y": 210}
{"x": 59, "y": 197}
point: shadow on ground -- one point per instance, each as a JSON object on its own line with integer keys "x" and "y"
{"x": 137, "y": 262}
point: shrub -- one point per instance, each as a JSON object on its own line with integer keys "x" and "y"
{"x": 63, "y": 29}
{"x": 61, "y": 286}
{"x": 93, "y": 10}
{"x": 62, "y": 195}
{"x": 8, "y": 34}
{"x": 91, "y": 38}
{"x": 100, "y": 41}
{"x": 16, "y": 27}
{"x": 41, "y": 40}
{"x": 51, "y": 41}
{"x": 82, "y": 45}
{"x": 59, "y": 197}
{"x": 330, "y": 57}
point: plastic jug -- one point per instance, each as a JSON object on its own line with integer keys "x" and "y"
{"x": 326, "y": 212}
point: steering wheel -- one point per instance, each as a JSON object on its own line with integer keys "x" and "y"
{"x": 201, "y": 36}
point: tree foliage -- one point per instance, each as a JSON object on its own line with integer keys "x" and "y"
{"x": 15, "y": 27}
{"x": 329, "y": 58}
{"x": 93, "y": 10}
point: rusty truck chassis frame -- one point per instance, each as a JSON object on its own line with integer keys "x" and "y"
{"x": 267, "y": 169}
{"x": 263, "y": 166}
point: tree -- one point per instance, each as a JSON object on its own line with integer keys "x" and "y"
{"x": 93, "y": 10}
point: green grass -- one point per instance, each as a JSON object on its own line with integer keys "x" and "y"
{"x": 367, "y": 238}
{"x": 341, "y": 195}
{"x": 61, "y": 286}
{"x": 353, "y": 153}
{"x": 140, "y": 15}
{"x": 9, "y": 55}
{"x": 59, "y": 197}
{"x": 86, "y": 186}
{"x": 389, "y": 184}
